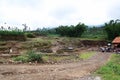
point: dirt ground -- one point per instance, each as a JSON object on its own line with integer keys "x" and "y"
{"x": 63, "y": 71}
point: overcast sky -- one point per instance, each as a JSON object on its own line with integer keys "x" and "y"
{"x": 52, "y": 13}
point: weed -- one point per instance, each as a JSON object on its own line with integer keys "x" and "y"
{"x": 30, "y": 56}
{"x": 22, "y": 58}
{"x": 34, "y": 57}
{"x": 30, "y": 35}
{"x": 111, "y": 71}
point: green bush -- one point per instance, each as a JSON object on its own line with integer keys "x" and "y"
{"x": 31, "y": 56}
{"x": 12, "y": 35}
{"x": 71, "y": 31}
{"x": 30, "y": 35}
{"x": 34, "y": 57}
{"x": 21, "y": 58}
{"x": 112, "y": 29}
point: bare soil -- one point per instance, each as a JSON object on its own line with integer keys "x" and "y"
{"x": 63, "y": 71}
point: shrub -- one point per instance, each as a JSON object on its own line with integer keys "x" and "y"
{"x": 31, "y": 56}
{"x": 12, "y": 35}
{"x": 112, "y": 29}
{"x": 21, "y": 58}
{"x": 34, "y": 57}
{"x": 71, "y": 31}
{"x": 30, "y": 35}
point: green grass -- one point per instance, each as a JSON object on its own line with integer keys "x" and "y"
{"x": 30, "y": 56}
{"x": 12, "y": 33}
{"x": 22, "y": 58}
{"x": 96, "y": 37}
{"x": 87, "y": 55}
{"x": 111, "y": 71}
{"x": 54, "y": 58}
{"x": 37, "y": 43}
{"x": 53, "y": 35}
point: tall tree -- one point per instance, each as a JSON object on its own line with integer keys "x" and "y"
{"x": 112, "y": 29}
{"x": 71, "y": 31}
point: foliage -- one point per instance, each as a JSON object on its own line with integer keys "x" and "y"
{"x": 111, "y": 71}
{"x": 94, "y": 33}
{"x": 44, "y": 31}
{"x": 12, "y": 34}
{"x": 31, "y": 56}
{"x": 112, "y": 29}
{"x": 34, "y": 57}
{"x": 30, "y": 35}
{"x": 71, "y": 31}
{"x": 22, "y": 58}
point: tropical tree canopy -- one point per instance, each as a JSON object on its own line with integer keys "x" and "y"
{"x": 71, "y": 31}
{"x": 112, "y": 29}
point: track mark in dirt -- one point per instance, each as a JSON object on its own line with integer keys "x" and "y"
{"x": 69, "y": 71}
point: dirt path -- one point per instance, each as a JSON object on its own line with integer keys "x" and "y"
{"x": 70, "y": 71}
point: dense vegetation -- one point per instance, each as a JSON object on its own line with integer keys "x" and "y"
{"x": 112, "y": 29}
{"x": 108, "y": 31}
{"x": 71, "y": 31}
{"x": 12, "y": 35}
{"x": 30, "y": 56}
{"x": 44, "y": 31}
{"x": 94, "y": 33}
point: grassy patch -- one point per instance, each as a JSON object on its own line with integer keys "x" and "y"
{"x": 30, "y": 56}
{"x": 59, "y": 58}
{"x": 111, "y": 71}
{"x": 30, "y": 35}
{"x": 2, "y": 43}
{"x": 93, "y": 37}
{"x": 37, "y": 43}
{"x": 22, "y": 58}
{"x": 53, "y": 35}
{"x": 87, "y": 55}
{"x": 54, "y": 58}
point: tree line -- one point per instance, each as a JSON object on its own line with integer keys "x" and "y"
{"x": 111, "y": 29}
{"x": 71, "y": 31}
